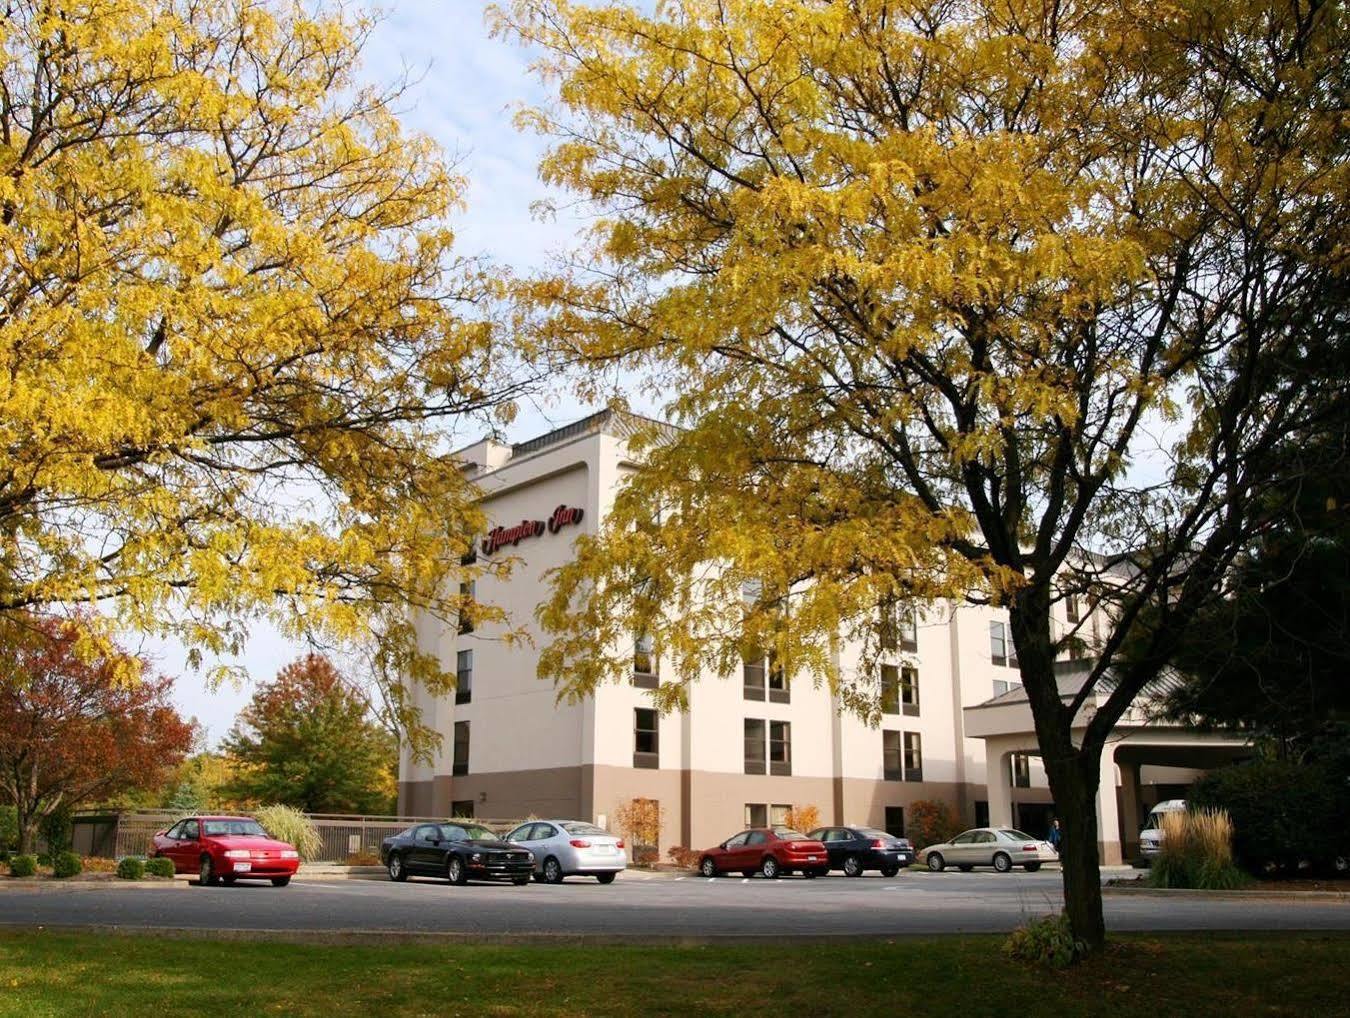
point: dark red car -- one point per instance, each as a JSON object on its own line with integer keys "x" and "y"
{"x": 226, "y": 849}
{"x": 773, "y": 851}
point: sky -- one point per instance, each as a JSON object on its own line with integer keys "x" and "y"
{"x": 466, "y": 87}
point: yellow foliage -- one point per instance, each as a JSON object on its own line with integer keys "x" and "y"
{"x": 909, "y": 276}
{"x": 230, "y": 326}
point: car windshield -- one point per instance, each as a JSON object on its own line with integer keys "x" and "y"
{"x": 577, "y": 827}
{"x": 1012, "y": 835}
{"x": 784, "y": 834}
{"x": 232, "y": 828}
{"x": 466, "y": 832}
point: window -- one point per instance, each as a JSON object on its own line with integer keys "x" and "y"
{"x": 780, "y": 748}
{"x": 756, "y": 838}
{"x": 899, "y": 628}
{"x": 913, "y": 757}
{"x": 461, "y": 758}
{"x": 191, "y": 831}
{"x": 462, "y": 808}
{"x": 778, "y": 688}
{"x": 644, "y": 662}
{"x": 890, "y": 756}
{"x": 740, "y": 839}
{"x": 778, "y": 815}
{"x": 753, "y": 675}
{"x": 1021, "y": 770}
{"x": 1071, "y": 608}
{"x": 1001, "y": 650}
{"x": 754, "y": 746}
{"x": 646, "y": 738}
{"x": 1002, "y": 686}
{"x": 467, "y": 592}
{"x": 464, "y": 676}
{"x": 890, "y": 689}
{"x": 895, "y": 821}
{"x": 909, "y": 691}
{"x": 981, "y": 813}
{"x": 756, "y": 814}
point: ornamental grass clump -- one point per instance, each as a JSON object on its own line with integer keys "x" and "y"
{"x": 288, "y": 824}
{"x": 1197, "y": 852}
{"x": 1045, "y": 941}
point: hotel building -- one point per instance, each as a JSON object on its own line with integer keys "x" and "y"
{"x": 955, "y": 726}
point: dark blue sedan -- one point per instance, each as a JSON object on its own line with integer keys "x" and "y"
{"x": 858, "y": 849}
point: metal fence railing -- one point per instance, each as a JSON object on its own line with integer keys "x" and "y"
{"x": 341, "y": 837}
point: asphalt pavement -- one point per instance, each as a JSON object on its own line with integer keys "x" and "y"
{"x": 639, "y": 905}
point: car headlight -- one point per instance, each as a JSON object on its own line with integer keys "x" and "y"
{"x": 290, "y": 853}
{"x": 236, "y": 853}
{"x": 476, "y": 857}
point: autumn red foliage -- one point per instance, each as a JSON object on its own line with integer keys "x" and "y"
{"x": 73, "y": 729}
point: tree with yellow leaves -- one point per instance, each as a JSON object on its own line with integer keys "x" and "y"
{"x": 233, "y": 334}
{"x": 1013, "y": 301}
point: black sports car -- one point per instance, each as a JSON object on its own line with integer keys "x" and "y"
{"x": 456, "y": 851}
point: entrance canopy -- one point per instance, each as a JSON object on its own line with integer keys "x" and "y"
{"x": 1142, "y": 737}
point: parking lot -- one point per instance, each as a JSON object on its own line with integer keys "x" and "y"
{"x": 641, "y": 905}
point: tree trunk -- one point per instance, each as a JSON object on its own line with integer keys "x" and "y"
{"x": 1073, "y": 785}
{"x": 28, "y": 824}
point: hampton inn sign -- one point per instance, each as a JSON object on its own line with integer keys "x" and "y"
{"x": 500, "y": 537}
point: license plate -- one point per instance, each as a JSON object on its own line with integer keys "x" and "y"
{"x": 243, "y": 867}
{"x": 813, "y": 858}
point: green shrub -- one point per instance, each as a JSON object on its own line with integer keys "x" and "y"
{"x": 9, "y": 829}
{"x": 1284, "y": 814}
{"x": 131, "y": 868}
{"x": 1197, "y": 852}
{"x": 160, "y": 867}
{"x": 67, "y": 864}
{"x": 57, "y": 829}
{"x": 1045, "y": 941}
{"x": 287, "y": 824}
{"x": 23, "y": 866}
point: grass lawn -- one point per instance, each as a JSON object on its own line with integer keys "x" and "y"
{"x": 51, "y": 973}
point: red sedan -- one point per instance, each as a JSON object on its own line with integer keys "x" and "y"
{"x": 772, "y": 851}
{"x": 226, "y": 849}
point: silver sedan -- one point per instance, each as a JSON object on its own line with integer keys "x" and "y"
{"x": 999, "y": 847}
{"x": 571, "y": 847}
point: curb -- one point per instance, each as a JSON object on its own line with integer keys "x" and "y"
{"x": 49, "y": 884}
{"x": 1260, "y": 895}
{"x": 368, "y": 938}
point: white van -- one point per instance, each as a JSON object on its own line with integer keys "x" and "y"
{"x": 1150, "y": 835}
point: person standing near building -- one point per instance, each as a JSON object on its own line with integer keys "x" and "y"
{"x": 1055, "y": 835}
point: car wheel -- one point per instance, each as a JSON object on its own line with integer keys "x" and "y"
{"x": 605, "y": 878}
{"x": 1002, "y": 863}
{"x": 707, "y": 867}
{"x": 553, "y": 873}
{"x": 935, "y": 862}
{"x": 397, "y": 871}
{"x": 890, "y": 871}
{"x": 1032, "y": 867}
{"x": 853, "y": 866}
{"x": 207, "y": 873}
{"x": 769, "y": 867}
{"x": 280, "y": 881}
{"x": 521, "y": 881}
{"x": 455, "y": 871}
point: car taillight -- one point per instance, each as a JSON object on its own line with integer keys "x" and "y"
{"x": 878, "y": 843}
{"x": 1028, "y": 848}
{"x": 578, "y": 843}
{"x": 620, "y": 844}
